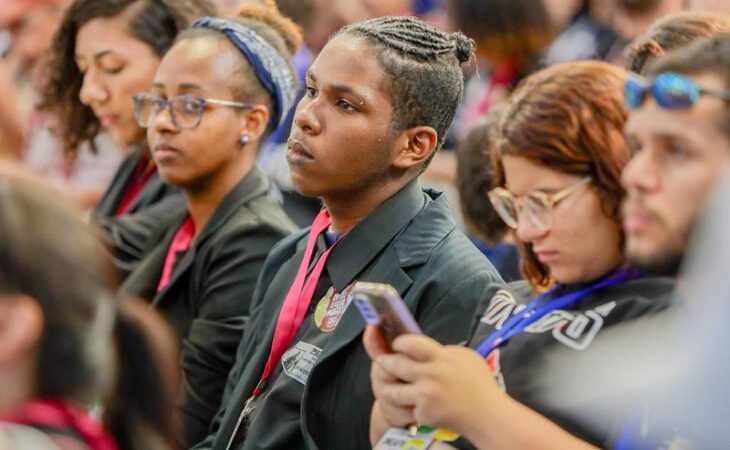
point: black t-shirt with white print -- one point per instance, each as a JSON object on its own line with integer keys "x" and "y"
{"x": 520, "y": 365}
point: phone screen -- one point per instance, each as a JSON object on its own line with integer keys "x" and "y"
{"x": 380, "y": 305}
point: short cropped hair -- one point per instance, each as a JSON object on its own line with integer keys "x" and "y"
{"x": 705, "y": 55}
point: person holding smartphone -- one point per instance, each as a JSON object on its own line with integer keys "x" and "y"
{"x": 558, "y": 165}
{"x": 363, "y": 133}
{"x": 222, "y": 87}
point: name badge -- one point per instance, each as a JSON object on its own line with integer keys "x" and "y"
{"x": 400, "y": 439}
{"x": 299, "y": 360}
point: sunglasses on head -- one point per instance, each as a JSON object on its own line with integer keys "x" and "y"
{"x": 670, "y": 90}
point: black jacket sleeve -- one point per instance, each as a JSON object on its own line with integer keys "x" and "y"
{"x": 227, "y": 285}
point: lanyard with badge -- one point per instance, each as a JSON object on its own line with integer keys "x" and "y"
{"x": 544, "y": 305}
{"x": 292, "y": 314}
{"x": 421, "y": 437}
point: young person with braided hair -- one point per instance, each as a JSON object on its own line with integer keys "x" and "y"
{"x": 364, "y": 131}
{"x": 218, "y": 92}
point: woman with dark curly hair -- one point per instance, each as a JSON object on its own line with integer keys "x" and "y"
{"x": 103, "y": 52}
{"x": 560, "y": 153}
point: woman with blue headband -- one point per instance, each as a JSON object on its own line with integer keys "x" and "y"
{"x": 219, "y": 91}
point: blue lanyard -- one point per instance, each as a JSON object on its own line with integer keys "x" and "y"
{"x": 628, "y": 435}
{"x": 534, "y": 312}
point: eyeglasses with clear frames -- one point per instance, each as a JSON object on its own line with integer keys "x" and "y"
{"x": 186, "y": 111}
{"x": 538, "y": 206}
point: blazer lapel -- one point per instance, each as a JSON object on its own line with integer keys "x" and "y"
{"x": 411, "y": 248}
{"x": 252, "y": 185}
{"x": 386, "y": 270}
{"x": 181, "y": 267}
{"x": 107, "y": 206}
{"x": 149, "y": 193}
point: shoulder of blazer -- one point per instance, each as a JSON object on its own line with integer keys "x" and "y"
{"x": 260, "y": 217}
{"x": 433, "y": 234}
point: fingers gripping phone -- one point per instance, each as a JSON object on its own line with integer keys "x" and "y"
{"x": 381, "y": 305}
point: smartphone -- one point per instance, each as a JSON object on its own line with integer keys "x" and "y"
{"x": 381, "y": 305}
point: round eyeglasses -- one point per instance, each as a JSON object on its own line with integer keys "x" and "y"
{"x": 186, "y": 111}
{"x": 537, "y": 206}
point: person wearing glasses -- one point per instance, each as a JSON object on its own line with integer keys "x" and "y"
{"x": 103, "y": 52}
{"x": 678, "y": 130}
{"x": 679, "y": 133}
{"x": 558, "y": 162}
{"x": 220, "y": 90}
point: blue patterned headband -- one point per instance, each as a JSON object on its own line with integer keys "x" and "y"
{"x": 270, "y": 67}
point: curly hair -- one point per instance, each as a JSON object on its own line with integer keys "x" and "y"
{"x": 568, "y": 118}
{"x": 671, "y": 32}
{"x": 419, "y": 60}
{"x": 154, "y": 22}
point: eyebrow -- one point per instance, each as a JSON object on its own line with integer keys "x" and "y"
{"x": 190, "y": 87}
{"x": 102, "y": 54}
{"x": 181, "y": 86}
{"x": 340, "y": 88}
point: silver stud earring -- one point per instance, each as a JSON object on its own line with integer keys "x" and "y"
{"x": 244, "y": 139}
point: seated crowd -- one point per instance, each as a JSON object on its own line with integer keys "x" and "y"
{"x": 187, "y": 310}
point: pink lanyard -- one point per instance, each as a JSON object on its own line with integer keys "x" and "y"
{"x": 61, "y": 414}
{"x": 297, "y": 300}
{"x": 180, "y": 243}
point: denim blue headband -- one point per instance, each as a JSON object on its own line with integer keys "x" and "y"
{"x": 272, "y": 70}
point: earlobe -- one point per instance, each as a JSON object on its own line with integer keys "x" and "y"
{"x": 21, "y": 327}
{"x": 257, "y": 120}
{"x": 417, "y": 145}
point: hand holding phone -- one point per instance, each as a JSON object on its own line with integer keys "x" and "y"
{"x": 381, "y": 306}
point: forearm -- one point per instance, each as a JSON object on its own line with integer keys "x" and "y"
{"x": 513, "y": 426}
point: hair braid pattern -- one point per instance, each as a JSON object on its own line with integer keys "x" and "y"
{"x": 422, "y": 66}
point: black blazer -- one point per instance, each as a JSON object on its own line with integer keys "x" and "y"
{"x": 126, "y": 236}
{"x": 410, "y": 242}
{"x": 154, "y": 191}
{"x": 208, "y": 297}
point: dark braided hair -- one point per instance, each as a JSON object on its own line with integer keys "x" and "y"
{"x": 672, "y": 32}
{"x": 422, "y": 67}
{"x": 154, "y": 22}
